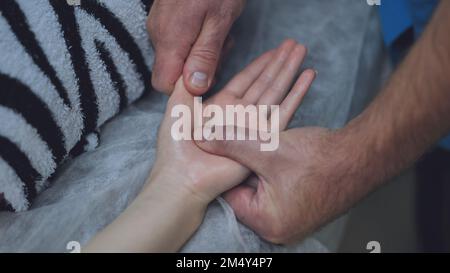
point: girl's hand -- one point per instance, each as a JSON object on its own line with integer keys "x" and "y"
{"x": 185, "y": 178}
{"x": 266, "y": 81}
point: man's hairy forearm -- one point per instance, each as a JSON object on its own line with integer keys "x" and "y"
{"x": 410, "y": 114}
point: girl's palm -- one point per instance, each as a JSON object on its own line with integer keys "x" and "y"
{"x": 266, "y": 81}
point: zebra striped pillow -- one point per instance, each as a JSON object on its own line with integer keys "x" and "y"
{"x": 64, "y": 71}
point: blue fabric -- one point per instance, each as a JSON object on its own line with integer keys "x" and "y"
{"x": 422, "y": 11}
{"x": 397, "y": 18}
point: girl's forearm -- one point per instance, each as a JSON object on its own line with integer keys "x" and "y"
{"x": 160, "y": 219}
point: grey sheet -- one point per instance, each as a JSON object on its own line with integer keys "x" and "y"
{"x": 89, "y": 192}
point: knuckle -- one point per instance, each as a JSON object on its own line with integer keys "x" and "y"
{"x": 159, "y": 84}
{"x": 168, "y": 32}
{"x": 266, "y": 79}
{"x": 207, "y": 55}
{"x": 169, "y": 60}
{"x": 228, "y": 10}
{"x": 277, "y": 87}
{"x": 178, "y": 52}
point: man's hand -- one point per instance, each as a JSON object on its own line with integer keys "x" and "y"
{"x": 306, "y": 182}
{"x": 188, "y": 38}
{"x": 317, "y": 174}
{"x": 208, "y": 175}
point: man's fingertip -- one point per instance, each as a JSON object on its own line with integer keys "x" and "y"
{"x": 194, "y": 90}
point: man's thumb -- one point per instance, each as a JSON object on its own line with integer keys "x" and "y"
{"x": 202, "y": 62}
{"x": 237, "y": 144}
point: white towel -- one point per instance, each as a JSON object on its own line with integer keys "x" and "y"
{"x": 64, "y": 71}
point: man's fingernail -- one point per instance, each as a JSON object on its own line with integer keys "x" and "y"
{"x": 199, "y": 79}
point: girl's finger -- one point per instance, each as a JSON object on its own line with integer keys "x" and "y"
{"x": 280, "y": 86}
{"x": 270, "y": 73}
{"x": 239, "y": 85}
{"x": 295, "y": 97}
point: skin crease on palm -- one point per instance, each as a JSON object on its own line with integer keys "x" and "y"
{"x": 265, "y": 81}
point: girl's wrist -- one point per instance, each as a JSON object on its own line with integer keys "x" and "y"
{"x": 170, "y": 190}
{"x": 178, "y": 213}
{"x": 161, "y": 219}
{"x": 172, "y": 183}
